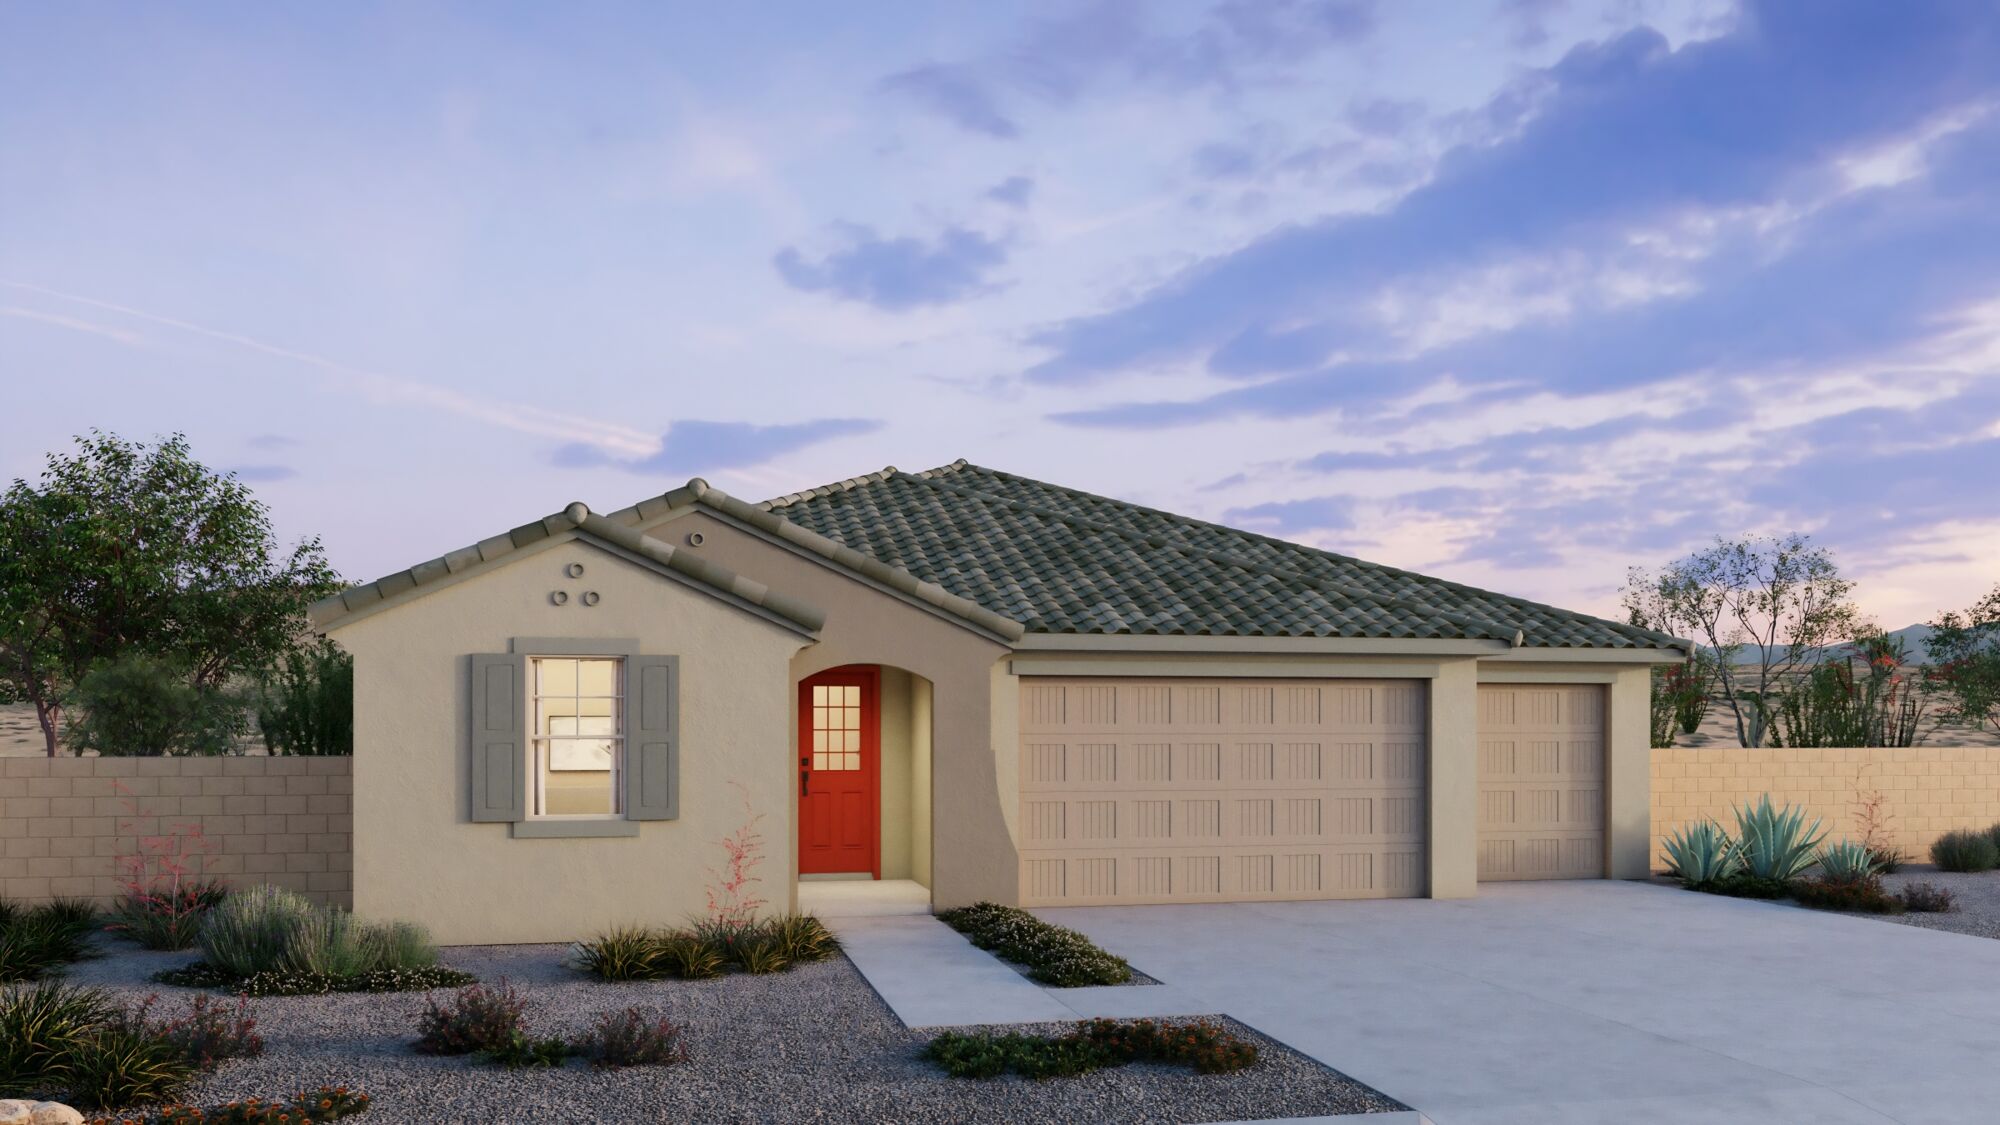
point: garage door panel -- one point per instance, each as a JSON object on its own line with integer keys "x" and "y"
{"x": 1541, "y": 782}
{"x": 1189, "y": 791}
{"x": 1086, "y": 878}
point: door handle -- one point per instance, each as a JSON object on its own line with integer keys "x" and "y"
{"x": 805, "y": 778}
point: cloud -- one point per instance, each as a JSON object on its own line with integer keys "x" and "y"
{"x": 1624, "y": 138}
{"x": 1289, "y": 517}
{"x": 91, "y": 327}
{"x": 262, "y": 474}
{"x": 1384, "y": 117}
{"x": 381, "y": 387}
{"x": 1224, "y": 160}
{"x": 1529, "y": 19}
{"x": 1013, "y": 191}
{"x": 1110, "y": 43}
{"x": 897, "y": 273}
{"x": 272, "y": 441}
{"x": 694, "y": 446}
{"x": 957, "y": 96}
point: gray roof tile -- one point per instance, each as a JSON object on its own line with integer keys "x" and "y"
{"x": 1063, "y": 561}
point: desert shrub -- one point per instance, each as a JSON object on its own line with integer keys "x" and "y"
{"x": 270, "y": 930}
{"x": 1745, "y": 885}
{"x": 37, "y": 941}
{"x": 41, "y": 1031}
{"x": 476, "y": 1018}
{"x": 803, "y": 938}
{"x": 208, "y": 1034}
{"x": 287, "y": 982}
{"x": 250, "y": 930}
{"x": 628, "y": 953}
{"x": 1051, "y": 954}
{"x": 142, "y": 706}
{"x": 1864, "y": 894}
{"x": 170, "y": 917}
{"x": 399, "y": 947}
{"x": 305, "y": 703}
{"x": 1847, "y": 862}
{"x": 1888, "y": 858}
{"x": 520, "y": 1049}
{"x": 1963, "y": 850}
{"x": 1926, "y": 898}
{"x": 762, "y": 954}
{"x": 690, "y": 956}
{"x": 1199, "y": 1045}
{"x": 123, "y": 1063}
{"x": 627, "y": 1038}
{"x": 1777, "y": 842}
{"x": 307, "y": 1107}
{"x": 1701, "y": 854}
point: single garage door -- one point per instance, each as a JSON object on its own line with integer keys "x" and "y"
{"x": 1541, "y": 781}
{"x": 1185, "y": 790}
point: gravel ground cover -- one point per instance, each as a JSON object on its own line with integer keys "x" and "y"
{"x": 1977, "y": 894}
{"x": 813, "y": 1044}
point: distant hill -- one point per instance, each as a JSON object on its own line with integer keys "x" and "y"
{"x": 1912, "y": 636}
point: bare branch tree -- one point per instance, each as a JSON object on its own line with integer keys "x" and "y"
{"x": 1774, "y": 599}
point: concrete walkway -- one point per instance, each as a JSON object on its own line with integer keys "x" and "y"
{"x": 1597, "y": 1002}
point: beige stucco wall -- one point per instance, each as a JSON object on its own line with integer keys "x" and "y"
{"x": 1926, "y": 790}
{"x": 920, "y": 780}
{"x": 896, "y": 769}
{"x": 973, "y": 855}
{"x": 417, "y": 856}
{"x": 65, "y": 822}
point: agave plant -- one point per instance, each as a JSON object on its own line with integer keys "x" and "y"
{"x": 1777, "y": 842}
{"x": 1701, "y": 853}
{"x": 1847, "y": 862}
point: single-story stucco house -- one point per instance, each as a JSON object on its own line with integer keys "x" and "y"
{"x": 998, "y": 688}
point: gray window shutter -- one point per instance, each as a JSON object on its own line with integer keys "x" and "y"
{"x": 499, "y": 737}
{"x": 652, "y": 744}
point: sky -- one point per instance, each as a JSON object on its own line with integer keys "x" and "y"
{"x": 1517, "y": 292}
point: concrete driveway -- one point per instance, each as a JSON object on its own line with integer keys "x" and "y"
{"x": 1596, "y": 1002}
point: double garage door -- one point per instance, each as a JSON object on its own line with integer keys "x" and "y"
{"x": 1229, "y": 790}
{"x": 1183, "y": 790}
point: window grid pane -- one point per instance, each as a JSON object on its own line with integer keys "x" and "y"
{"x": 578, "y": 735}
{"x": 836, "y": 727}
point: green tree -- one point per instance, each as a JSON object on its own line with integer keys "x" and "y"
{"x": 1964, "y": 650}
{"x": 123, "y": 547}
{"x": 1762, "y": 606}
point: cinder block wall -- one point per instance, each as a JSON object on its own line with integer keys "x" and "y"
{"x": 65, "y": 821}
{"x": 1926, "y": 790}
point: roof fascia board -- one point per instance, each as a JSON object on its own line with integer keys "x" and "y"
{"x": 1176, "y": 643}
{"x": 696, "y": 574}
{"x": 1224, "y": 668}
{"x": 444, "y": 582}
{"x": 1590, "y": 656}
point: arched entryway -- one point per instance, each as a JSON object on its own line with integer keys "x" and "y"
{"x": 863, "y": 752}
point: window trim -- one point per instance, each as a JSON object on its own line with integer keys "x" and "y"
{"x": 535, "y": 826}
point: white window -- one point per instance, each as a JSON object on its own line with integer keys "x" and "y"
{"x": 577, "y": 740}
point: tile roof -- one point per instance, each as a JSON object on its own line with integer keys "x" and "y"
{"x": 1062, "y": 561}
{"x": 577, "y": 518}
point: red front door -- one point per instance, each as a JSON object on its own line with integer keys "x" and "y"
{"x": 840, "y": 739}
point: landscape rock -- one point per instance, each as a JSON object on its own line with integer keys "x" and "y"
{"x": 54, "y": 1113}
{"x": 14, "y": 1111}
